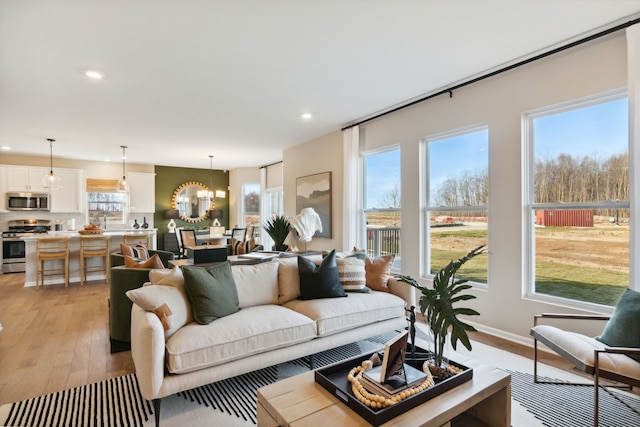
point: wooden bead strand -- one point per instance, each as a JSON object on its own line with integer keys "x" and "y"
{"x": 375, "y": 400}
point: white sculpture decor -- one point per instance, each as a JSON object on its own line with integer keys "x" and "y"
{"x": 306, "y": 223}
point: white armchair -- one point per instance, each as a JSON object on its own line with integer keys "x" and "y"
{"x": 618, "y": 362}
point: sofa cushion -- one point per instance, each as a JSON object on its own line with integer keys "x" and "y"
{"x": 135, "y": 251}
{"x": 360, "y": 309}
{"x": 211, "y": 291}
{"x": 167, "y": 277}
{"x": 250, "y": 331}
{"x": 320, "y": 281}
{"x": 256, "y": 284}
{"x": 352, "y": 273}
{"x": 289, "y": 279}
{"x": 153, "y": 262}
{"x": 239, "y": 247}
{"x": 151, "y": 297}
{"x": 378, "y": 272}
{"x": 581, "y": 348}
{"x": 623, "y": 328}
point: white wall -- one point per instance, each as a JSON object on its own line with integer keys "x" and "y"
{"x": 498, "y": 102}
{"x": 320, "y": 155}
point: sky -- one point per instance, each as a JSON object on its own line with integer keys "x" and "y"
{"x": 597, "y": 130}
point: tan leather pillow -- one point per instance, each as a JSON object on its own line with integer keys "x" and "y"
{"x": 378, "y": 272}
{"x": 153, "y": 262}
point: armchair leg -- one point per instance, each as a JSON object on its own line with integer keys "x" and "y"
{"x": 535, "y": 360}
{"x": 596, "y": 388}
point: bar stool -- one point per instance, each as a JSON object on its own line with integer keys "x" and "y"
{"x": 136, "y": 239}
{"x": 94, "y": 247}
{"x": 52, "y": 249}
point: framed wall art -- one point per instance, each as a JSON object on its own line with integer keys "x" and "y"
{"x": 314, "y": 191}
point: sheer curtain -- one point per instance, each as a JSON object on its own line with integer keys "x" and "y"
{"x": 633, "y": 84}
{"x": 265, "y": 239}
{"x": 352, "y": 193}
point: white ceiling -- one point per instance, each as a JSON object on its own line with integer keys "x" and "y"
{"x": 192, "y": 78}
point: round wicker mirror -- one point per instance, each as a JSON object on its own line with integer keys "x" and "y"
{"x": 193, "y": 201}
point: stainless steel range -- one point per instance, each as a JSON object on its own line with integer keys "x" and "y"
{"x": 13, "y": 246}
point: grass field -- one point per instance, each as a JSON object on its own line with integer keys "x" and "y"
{"x": 585, "y": 264}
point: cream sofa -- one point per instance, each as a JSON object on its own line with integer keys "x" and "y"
{"x": 272, "y": 326}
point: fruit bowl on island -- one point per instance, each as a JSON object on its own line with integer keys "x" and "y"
{"x": 91, "y": 229}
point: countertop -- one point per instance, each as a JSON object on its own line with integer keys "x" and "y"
{"x": 75, "y": 233}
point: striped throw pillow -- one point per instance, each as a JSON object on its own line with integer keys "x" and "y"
{"x": 238, "y": 247}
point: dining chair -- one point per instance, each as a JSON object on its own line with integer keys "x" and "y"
{"x": 188, "y": 238}
{"x": 239, "y": 233}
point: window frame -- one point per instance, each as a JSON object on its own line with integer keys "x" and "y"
{"x": 426, "y": 203}
{"x": 363, "y": 234}
{"x": 243, "y": 211}
{"x": 530, "y": 206}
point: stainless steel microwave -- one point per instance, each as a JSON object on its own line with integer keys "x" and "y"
{"x": 28, "y": 202}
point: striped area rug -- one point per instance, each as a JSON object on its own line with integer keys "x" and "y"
{"x": 117, "y": 402}
{"x": 232, "y": 402}
{"x": 564, "y": 405}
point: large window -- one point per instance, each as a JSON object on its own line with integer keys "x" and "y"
{"x": 578, "y": 161}
{"x": 251, "y": 206}
{"x": 382, "y": 203}
{"x": 457, "y": 200}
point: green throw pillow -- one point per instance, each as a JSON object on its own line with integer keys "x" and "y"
{"x": 320, "y": 282}
{"x": 623, "y": 329}
{"x": 211, "y": 291}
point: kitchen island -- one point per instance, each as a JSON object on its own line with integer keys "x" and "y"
{"x": 74, "y": 255}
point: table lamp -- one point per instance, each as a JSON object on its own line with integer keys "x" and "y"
{"x": 171, "y": 214}
{"x": 216, "y": 214}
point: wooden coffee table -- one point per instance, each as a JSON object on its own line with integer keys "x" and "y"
{"x": 300, "y": 401}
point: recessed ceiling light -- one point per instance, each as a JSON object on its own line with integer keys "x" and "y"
{"x": 94, "y": 74}
{"x": 306, "y": 116}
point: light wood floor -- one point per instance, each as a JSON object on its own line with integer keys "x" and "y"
{"x": 56, "y": 338}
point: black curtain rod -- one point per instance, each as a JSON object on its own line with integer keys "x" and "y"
{"x": 450, "y": 90}
{"x": 266, "y": 166}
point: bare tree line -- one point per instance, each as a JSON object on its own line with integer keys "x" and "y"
{"x": 564, "y": 178}
{"x": 581, "y": 180}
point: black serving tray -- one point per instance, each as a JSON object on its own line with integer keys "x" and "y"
{"x": 334, "y": 379}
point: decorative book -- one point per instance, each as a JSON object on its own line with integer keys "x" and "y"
{"x": 394, "y": 384}
{"x": 393, "y": 359}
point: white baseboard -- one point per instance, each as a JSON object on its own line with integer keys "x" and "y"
{"x": 518, "y": 339}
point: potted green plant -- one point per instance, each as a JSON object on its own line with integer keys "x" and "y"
{"x": 278, "y": 227}
{"x": 437, "y": 307}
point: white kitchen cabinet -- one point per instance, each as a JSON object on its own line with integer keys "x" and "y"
{"x": 23, "y": 178}
{"x": 3, "y": 188}
{"x": 68, "y": 199}
{"x": 142, "y": 196}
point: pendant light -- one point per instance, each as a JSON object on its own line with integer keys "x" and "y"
{"x": 123, "y": 186}
{"x": 207, "y": 195}
{"x": 51, "y": 181}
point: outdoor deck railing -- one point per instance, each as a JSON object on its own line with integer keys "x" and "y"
{"x": 383, "y": 241}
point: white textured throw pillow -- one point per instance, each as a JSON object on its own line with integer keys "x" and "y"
{"x": 167, "y": 277}
{"x": 352, "y": 273}
{"x": 153, "y": 296}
